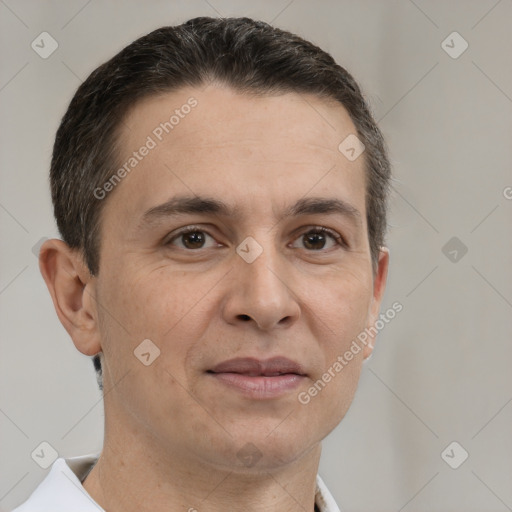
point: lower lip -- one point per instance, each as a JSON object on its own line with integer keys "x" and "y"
{"x": 260, "y": 387}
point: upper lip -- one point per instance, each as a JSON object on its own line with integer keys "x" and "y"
{"x": 255, "y": 367}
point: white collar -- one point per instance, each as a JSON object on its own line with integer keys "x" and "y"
{"x": 62, "y": 488}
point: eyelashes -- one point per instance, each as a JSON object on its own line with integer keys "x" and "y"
{"x": 337, "y": 239}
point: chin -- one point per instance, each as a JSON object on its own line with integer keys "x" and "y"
{"x": 271, "y": 446}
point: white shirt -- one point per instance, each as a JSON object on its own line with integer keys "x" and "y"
{"x": 62, "y": 490}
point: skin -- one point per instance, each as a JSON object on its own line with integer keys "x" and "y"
{"x": 172, "y": 433}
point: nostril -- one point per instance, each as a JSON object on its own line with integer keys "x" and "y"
{"x": 245, "y": 317}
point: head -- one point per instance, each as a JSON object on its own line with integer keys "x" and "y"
{"x": 233, "y": 127}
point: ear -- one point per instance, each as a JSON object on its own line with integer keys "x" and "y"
{"x": 73, "y": 292}
{"x": 379, "y": 285}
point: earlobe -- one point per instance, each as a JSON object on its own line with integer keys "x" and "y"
{"x": 72, "y": 290}
{"x": 379, "y": 285}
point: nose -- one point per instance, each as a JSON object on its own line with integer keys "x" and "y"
{"x": 261, "y": 292}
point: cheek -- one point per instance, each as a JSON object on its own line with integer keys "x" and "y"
{"x": 330, "y": 393}
{"x": 139, "y": 307}
{"x": 132, "y": 308}
{"x": 147, "y": 302}
{"x": 165, "y": 307}
{"x": 342, "y": 313}
{"x": 341, "y": 303}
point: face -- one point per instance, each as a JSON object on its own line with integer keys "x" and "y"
{"x": 254, "y": 278}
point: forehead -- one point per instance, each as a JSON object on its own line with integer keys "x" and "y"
{"x": 220, "y": 112}
{"x": 254, "y": 153}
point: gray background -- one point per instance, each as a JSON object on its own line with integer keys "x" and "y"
{"x": 441, "y": 368}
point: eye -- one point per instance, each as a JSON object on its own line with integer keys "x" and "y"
{"x": 192, "y": 237}
{"x": 316, "y": 238}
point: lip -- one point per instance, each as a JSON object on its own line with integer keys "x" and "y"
{"x": 259, "y": 379}
{"x": 259, "y": 367}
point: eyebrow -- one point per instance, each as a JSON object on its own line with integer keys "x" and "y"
{"x": 183, "y": 205}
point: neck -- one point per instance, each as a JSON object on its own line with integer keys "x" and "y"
{"x": 147, "y": 478}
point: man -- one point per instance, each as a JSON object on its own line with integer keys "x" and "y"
{"x": 220, "y": 187}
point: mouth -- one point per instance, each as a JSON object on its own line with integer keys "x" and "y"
{"x": 259, "y": 379}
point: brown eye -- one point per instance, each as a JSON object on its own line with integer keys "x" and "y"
{"x": 191, "y": 238}
{"x": 316, "y": 239}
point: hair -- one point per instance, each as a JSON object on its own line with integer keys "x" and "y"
{"x": 249, "y": 56}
